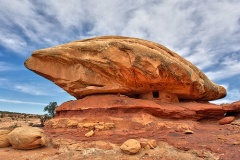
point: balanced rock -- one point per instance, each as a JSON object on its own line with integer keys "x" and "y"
{"x": 27, "y": 138}
{"x": 123, "y": 65}
{"x": 4, "y": 142}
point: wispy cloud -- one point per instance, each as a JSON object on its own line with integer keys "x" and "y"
{"x": 29, "y": 89}
{"x": 233, "y": 95}
{"x": 228, "y": 67}
{"x": 7, "y": 67}
{"x": 21, "y": 102}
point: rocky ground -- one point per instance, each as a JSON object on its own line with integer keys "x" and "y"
{"x": 176, "y": 139}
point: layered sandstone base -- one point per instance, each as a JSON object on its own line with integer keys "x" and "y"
{"x": 118, "y": 116}
{"x": 106, "y": 107}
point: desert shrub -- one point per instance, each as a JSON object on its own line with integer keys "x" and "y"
{"x": 51, "y": 108}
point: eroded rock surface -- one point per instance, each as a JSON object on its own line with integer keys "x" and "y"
{"x": 130, "y": 66}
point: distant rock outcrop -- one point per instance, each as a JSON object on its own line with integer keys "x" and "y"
{"x": 129, "y": 66}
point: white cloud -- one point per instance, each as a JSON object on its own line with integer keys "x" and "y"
{"x": 13, "y": 42}
{"x": 30, "y": 89}
{"x": 229, "y": 66}
{"x": 7, "y": 67}
{"x": 21, "y": 102}
{"x": 233, "y": 95}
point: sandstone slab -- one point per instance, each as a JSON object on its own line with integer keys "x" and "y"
{"x": 130, "y": 66}
{"x": 89, "y": 134}
{"x": 226, "y": 120}
{"x": 27, "y": 138}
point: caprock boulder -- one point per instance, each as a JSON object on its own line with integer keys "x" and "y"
{"x": 129, "y": 66}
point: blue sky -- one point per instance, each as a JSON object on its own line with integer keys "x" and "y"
{"x": 207, "y": 33}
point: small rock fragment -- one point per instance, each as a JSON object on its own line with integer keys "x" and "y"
{"x": 188, "y": 131}
{"x": 236, "y": 123}
{"x": 143, "y": 143}
{"x": 152, "y": 143}
{"x": 99, "y": 126}
{"x": 226, "y": 120}
{"x": 131, "y": 146}
{"x": 109, "y": 125}
{"x": 89, "y": 134}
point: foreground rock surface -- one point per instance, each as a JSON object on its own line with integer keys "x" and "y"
{"x": 209, "y": 140}
{"x": 130, "y": 66}
{"x": 27, "y": 138}
{"x": 74, "y": 150}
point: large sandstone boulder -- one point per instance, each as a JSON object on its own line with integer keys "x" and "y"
{"x": 27, "y": 138}
{"x": 4, "y": 142}
{"x": 130, "y": 66}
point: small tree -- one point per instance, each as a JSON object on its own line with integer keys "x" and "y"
{"x": 51, "y": 108}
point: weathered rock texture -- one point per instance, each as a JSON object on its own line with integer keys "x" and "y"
{"x": 130, "y": 66}
{"x": 27, "y": 138}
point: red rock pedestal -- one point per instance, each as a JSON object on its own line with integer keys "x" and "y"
{"x": 103, "y": 107}
{"x": 119, "y": 116}
{"x": 115, "y": 119}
